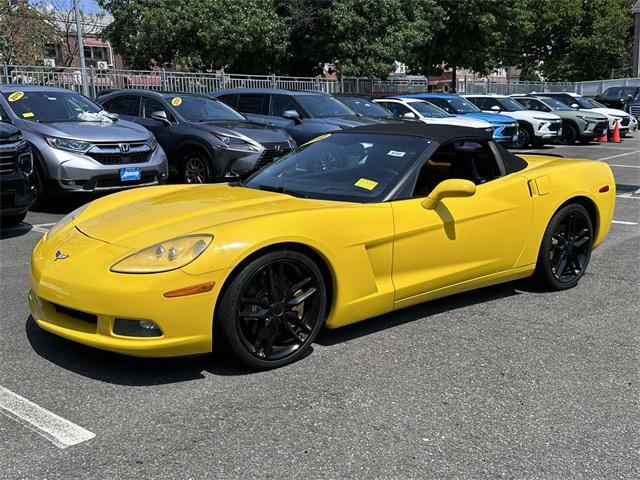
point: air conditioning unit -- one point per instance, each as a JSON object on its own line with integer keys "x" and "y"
{"x": 49, "y": 62}
{"x": 102, "y": 65}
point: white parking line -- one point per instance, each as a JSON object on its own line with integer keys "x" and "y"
{"x": 625, "y": 166}
{"x": 62, "y": 433}
{"x": 624, "y": 223}
{"x": 44, "y": 225}
{"x": 635, "y": 152}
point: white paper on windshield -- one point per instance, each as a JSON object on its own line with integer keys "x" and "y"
{"x": 102, "y": 116}
{"x": 396, "y": 153}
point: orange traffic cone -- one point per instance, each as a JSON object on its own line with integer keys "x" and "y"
{"x": 604, "y": 138}
{"x": 615, "y": 138}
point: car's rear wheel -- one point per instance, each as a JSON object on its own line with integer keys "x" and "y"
{"x": 196, "y": 167}
{"x": 272, "y": 310}
{"x": 566, "y": 248}
{"x": 569, "y": 134}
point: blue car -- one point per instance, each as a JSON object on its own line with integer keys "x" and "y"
{"x": 505, "y": 128}
{"x": 303, "y": 114}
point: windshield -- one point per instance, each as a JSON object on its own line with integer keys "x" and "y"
{"x": 427, "y": 110}
{"x": 319, "y": 106}
{"x": 594, "y": 104}
{"x": 509, "y": 105}
{"x": 580, "y": 101}
{"x": 194, "y": 108}
{"x": 343, "y": 166}
{"x": 52, "y": 106}
{"x": 455, "y": 105}
{"x": 365, "y": 107}
{"x": 556, "y": 104}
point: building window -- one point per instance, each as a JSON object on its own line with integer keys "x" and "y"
{"x": 99, "y": 53}
{"x": 50, "y": 50}
{"x": 87, "y": 52}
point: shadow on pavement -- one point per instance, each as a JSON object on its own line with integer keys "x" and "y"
{"x": 119, "y": 369}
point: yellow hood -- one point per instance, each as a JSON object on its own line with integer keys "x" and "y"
{"x": 142, "y": 217}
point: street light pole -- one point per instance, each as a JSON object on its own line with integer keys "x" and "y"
{"x": 80, "y": 40}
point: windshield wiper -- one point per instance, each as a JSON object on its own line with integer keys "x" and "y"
{"x": 293, "y": 193}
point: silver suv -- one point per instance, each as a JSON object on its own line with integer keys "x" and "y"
{"x": 77, "y": 146}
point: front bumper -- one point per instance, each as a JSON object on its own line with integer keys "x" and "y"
{"x": 505, "y": 133}
{"x": 549, "y": 130}
{"x": 78, "y": 298}
{"x": 17, "y": 193}
{"x": 79, "y": 173}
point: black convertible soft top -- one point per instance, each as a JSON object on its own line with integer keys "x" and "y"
{"x": 437, "y": 133}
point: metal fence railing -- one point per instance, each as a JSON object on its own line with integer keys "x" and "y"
{"x": 102, "y": 80}
{"x": 192, "y": 82}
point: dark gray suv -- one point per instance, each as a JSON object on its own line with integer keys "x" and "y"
{"x": 204, "y": 139}
{"x": 303, "y": 114}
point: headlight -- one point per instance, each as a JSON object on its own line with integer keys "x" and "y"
{"x": 75, "y": 146}
{"x": 66, "y": 220}
{"x": 152, "y": 143}
{"x": 235, "y": 143}
{"x": 165, "y": 256}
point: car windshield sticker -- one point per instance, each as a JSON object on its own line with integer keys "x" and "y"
{"x": 366, "y": 184}
{"x": 395, "y": 153}
{"x": 15, "y": 96}
{"x": 176, "y": 101}
{"x": 27, "y": 114}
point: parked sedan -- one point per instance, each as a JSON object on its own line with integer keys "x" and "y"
{"x": 205, "y": 139}
{"x": 16, "y": 175}
{"x": 576, "y": 125}
{"x": 303, "y": 114}
{"x": 416, "y": 109}
{"x": 505, "y": 128}
{"x": 77, "y": 146}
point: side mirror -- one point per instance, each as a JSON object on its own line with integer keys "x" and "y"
{"x": 160, "y": 116}
{"x": 454, "y": 187}
{"x": 292, "y": 115}
{"x": 495, "y": 108}
{"x": 409, "y": 115}
{"x": 575, "y": 105}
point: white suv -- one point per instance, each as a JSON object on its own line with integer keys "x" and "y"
{"x": 416, "y": 109}
{"x": 534, "y": 128}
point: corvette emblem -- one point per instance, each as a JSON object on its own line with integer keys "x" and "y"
{"x": 61, "y": 256}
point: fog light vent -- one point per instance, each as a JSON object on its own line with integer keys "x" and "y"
{"x": 136, "y": 328}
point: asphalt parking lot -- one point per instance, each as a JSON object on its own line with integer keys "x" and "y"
{"x": 504, "y": 382}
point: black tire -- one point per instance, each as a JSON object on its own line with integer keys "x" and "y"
{"x": 524, "y": 137}
{"x": 537, "y": 143}
{"x": 40, "y": 195}
{"x": 566, "y": 248}
{"x": 12, "y": 220}
{"x": 272, "y": 310}
{"x": 569, "y": 134}
{"x": 196, "y": 167}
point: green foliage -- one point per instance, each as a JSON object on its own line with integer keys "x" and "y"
{"x": 23, "y": 33}
{"x": 242, "y": 35}
{"x": 562, "y": 39}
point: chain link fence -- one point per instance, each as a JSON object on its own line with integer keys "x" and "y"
{"x": 99, "y": 81}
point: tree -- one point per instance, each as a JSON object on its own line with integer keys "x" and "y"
{"x": 242, "y": 35}
{"x": 24, "y": 31}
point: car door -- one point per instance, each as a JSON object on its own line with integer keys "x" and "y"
{"x": 164, "y": 132}
{"x": 462, "y": 239}
{"x": 282, "y": 103}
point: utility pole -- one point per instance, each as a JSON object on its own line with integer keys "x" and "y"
{"x": 636, "y": 39}
{"x": 83, "y": 65}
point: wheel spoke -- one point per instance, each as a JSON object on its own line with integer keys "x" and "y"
{"x": 301, "y": 298}
{"x": 561, "y": 265}
{"x": 290, "y": 330}
{"x": 299, "y": 285}
{"x": 255, "y": 315}
{"x": 295, "y": 319}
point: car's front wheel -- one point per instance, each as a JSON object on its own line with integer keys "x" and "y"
{"x": 524, "y": 137}
{"x": 566, "y": 248}
{"x": 569, "y": 135}
{"x": 196, "y": 167}
{"x": 272, "y": 310}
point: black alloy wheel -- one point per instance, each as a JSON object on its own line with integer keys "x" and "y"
{"x": 524, "y": 137}
{"x": 566, "y": 248}
{"x": 273, "y": 310}
{"x": 196, "y": 168}
{"x": 569, "y": 135}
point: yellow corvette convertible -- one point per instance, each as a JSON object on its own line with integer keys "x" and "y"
{"x": 349, "y": 226}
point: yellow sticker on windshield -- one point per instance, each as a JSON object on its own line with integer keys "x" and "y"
{"x": 28, "y": 114}
{"x": 176, "y": 101}
{"x": 366, "y": 184}
{"x": 15, "y": 96}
